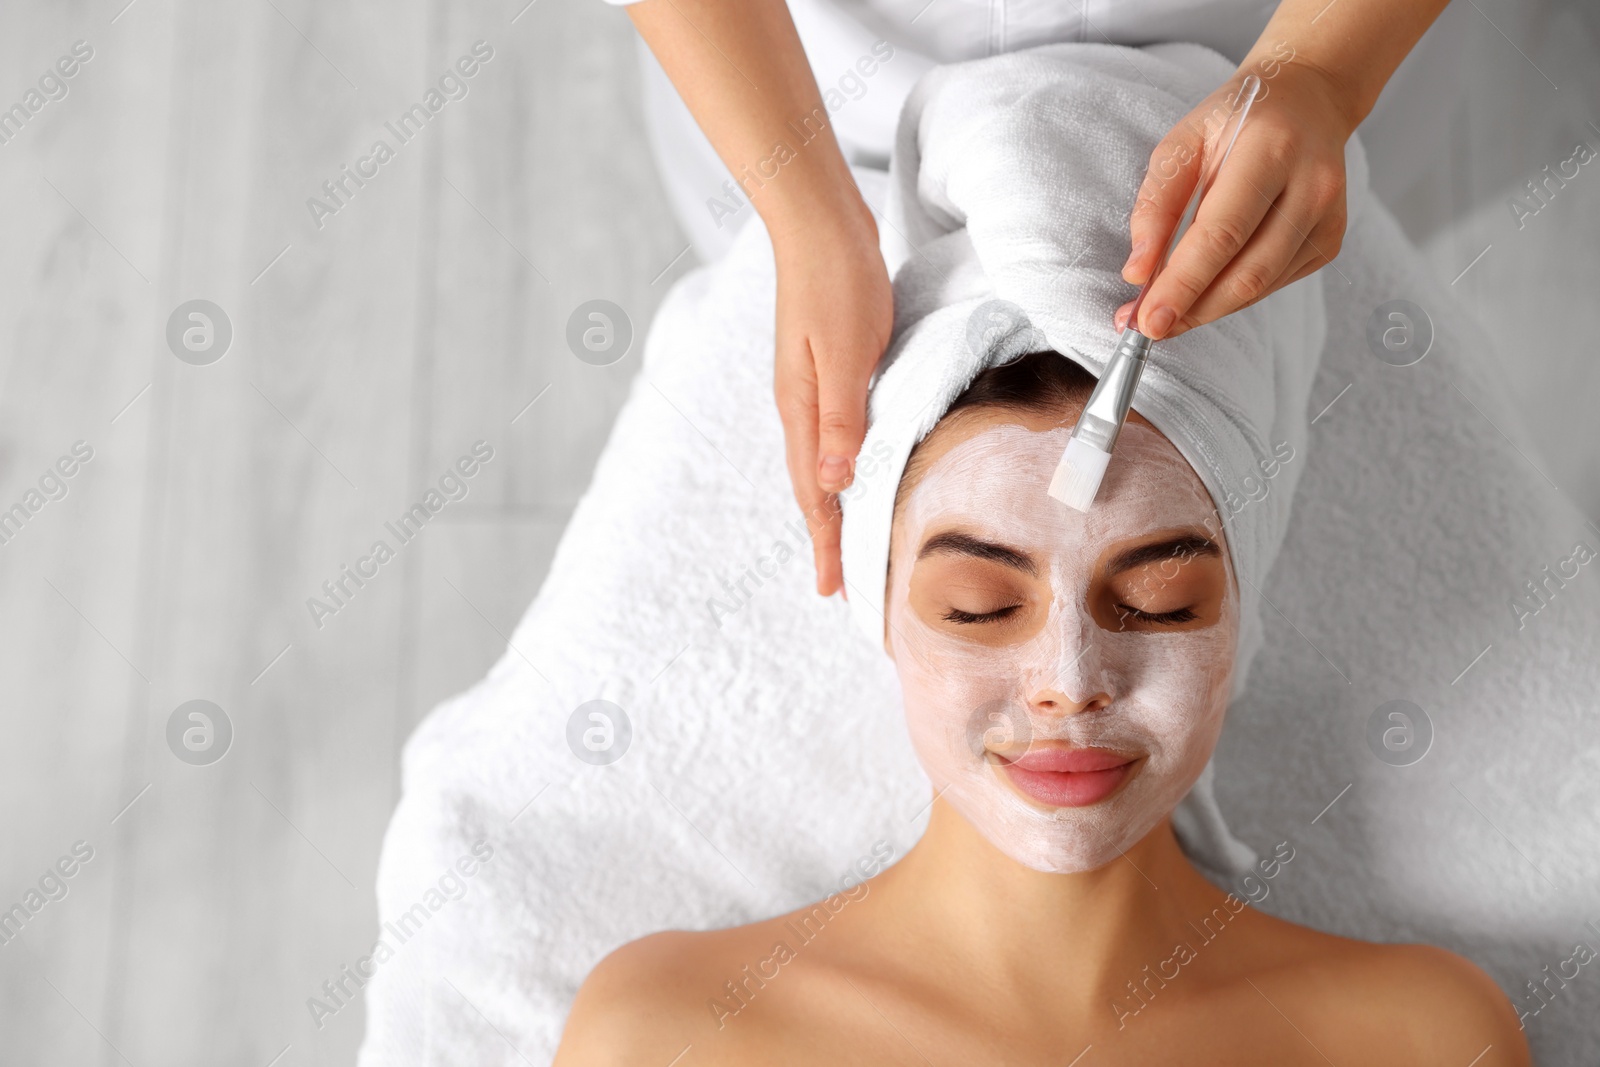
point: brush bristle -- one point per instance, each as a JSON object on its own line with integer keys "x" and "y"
{"x": 1078, "y": 475}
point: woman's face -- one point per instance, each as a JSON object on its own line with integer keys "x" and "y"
{"x": 1065, "y": 675}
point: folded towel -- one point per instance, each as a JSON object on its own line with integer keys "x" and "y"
{"x": 768, "y": 755}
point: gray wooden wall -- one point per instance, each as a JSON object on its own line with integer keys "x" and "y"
{"x": 367, "y": 355}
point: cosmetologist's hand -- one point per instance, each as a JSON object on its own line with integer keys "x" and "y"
{"x": 835, "y": 311}
{"x": 1273, "y": 214}
{"x": 835, "y": 307}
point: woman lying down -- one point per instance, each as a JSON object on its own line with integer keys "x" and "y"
{"x": 1065, "y": 680}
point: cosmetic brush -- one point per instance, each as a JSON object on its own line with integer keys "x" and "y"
{"x": 1083, "y": 465}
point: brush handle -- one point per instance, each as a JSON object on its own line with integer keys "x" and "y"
{"x": 1076, "y": 483}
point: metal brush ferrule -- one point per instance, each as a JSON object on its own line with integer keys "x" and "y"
{"x": 1112, "y": 398}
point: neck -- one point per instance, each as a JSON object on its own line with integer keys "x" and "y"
{"x": 1061, "y": 939}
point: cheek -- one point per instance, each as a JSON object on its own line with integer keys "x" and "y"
{"x": 954, "y": 692}
{"x": 1183, "y": 676}
{"x": 1180, "y": 684}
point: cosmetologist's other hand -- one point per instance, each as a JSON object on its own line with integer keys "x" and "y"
{"x": 835, "y": 311}
{"x": 835, "y": 307}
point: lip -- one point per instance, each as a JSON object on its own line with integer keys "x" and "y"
{"x": 1068, "y": 777}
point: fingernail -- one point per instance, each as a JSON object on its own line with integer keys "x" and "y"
{"x": 1138, "y": 250}
{"x": 834, "y": 474}
{"x": 1161, "y": 320}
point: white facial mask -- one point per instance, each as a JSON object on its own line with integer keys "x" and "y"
{"x": 1168, "y": 689}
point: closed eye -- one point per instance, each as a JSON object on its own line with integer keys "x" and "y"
{"x": 1164, "y": 618}
{"x": 957, "y": 615}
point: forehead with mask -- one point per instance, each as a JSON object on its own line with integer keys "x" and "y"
{"x": 1065, "y": 675}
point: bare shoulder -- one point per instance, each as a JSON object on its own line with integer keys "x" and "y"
{"x": 1447, "y": 1003}
{"x": 1400, "y": 1003}
{"x": 648, "y": 1000}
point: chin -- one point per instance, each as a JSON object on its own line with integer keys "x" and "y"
{"x": 1063, "y": 840}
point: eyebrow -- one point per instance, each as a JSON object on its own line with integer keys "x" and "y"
{"x": 1187, "y": 546}
{"x": 956, "y": 543}
{"x": 962, "y": 544}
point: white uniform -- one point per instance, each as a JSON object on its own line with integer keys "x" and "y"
{"x": 847, "y": 42}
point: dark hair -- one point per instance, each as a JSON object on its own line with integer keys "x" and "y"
{"x": 1040, "y": 382}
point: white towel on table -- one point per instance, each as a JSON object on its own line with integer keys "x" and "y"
{"x": 768, "y": 753}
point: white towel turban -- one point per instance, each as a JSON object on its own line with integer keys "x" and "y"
{"x": 1011, "y": 184}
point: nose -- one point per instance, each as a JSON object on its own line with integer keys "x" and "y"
{"x": 1067, "y": 678}
{"x": 1051, "y": 700}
